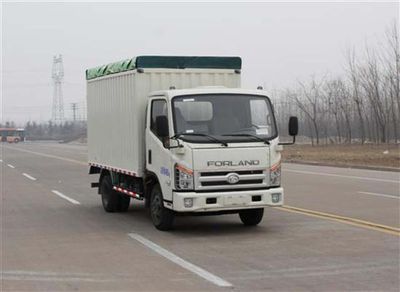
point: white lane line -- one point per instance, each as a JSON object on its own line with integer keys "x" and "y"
{"x": 61, "y": 277}
{"x": 10, "y": 165}
{"x": 181, "y": 262}
{"x": 380, "y": 195}
{"x": 53, "y": 279}
{"x": 48, "y": 155}
{"x": 61, "y": 195}
{"x": 28, "y": 176}
{"x": 1, "y": 160}
{"x": 344, "y": 176}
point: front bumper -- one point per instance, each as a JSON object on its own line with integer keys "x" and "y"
{"x": 221, "y": 201}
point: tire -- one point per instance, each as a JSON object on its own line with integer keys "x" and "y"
{"x": 112, "y": 201}
{"x": 251, "y": 217}
{"x": 123, "y": 203}
{"x": 109, "y": 197}
{"x": 16, "y": 140}
{"x": 162, "y": 217}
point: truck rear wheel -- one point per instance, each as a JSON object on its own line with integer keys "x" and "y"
{"x": 123, "y": 203}
{"x": 162, "y": 217}
{"x": 109, "y": 197}
{"x": 112, "y": 201}
{"x": 251, "y": 217}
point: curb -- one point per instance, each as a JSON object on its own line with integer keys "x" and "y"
{"x": 316, "y": 163}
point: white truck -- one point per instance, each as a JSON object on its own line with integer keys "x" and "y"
{"x": 179, "y": 133}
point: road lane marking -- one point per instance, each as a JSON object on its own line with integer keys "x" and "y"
{"x": 1, "y": 160}
{"x": 10, "y": 165}
{"x": 49, "y": 156}
{"x": 60, "y": 277}
{"x": 318, "y": 271}
{"x": 344, "y": 176}
{"x": 181, "y": 262}
{"x": 342, "y": 219}
{"x": 380, "y": 195}
{"x": 61, "y": 195}
{"x": 52, "y": 279}
{"x": 28, "y": 176}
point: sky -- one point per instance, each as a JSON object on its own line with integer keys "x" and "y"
{"x": 280, "y": 42}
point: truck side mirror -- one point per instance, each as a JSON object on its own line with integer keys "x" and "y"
{"x": 162, "y": 126}
{"x": 293, "y": 126}
{"x": 293, "y": 130}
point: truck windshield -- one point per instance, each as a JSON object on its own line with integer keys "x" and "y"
{"x": 228, "y": 117}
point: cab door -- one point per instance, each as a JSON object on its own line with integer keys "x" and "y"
{"x": 158, "y": 157}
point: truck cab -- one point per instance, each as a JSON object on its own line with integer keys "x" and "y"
{"x": 213, "y": 151}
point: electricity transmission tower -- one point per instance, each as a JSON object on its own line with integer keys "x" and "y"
{"x": 74, "y": 108}
{"x": 58, "y": 76}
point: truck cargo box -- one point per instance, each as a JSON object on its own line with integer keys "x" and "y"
{"x": 117, "y": 96}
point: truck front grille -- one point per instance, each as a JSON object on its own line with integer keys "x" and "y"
{"x": 219, "y": 179}
{"x": 222, "y": 173}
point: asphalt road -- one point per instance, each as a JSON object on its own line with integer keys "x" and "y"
{"x": 339, "y": 232}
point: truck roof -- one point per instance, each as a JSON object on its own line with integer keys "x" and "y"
{"x": 170, "y": 62}
{"x": 207, "y": 90}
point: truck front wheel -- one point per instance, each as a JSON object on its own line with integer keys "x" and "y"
{"x": 162, "y": 217}
{"x": 251, "y": 217}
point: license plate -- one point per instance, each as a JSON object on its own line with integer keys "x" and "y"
{"x": 235, "y": 200}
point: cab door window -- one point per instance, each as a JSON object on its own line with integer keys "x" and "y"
{"x": 158, "y": 108}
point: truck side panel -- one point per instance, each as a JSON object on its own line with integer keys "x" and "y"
{"x": 112, "y": 123}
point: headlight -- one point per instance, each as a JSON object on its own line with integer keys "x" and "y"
{"x": 275, "y": 175}
{"x": 183, "y": 178}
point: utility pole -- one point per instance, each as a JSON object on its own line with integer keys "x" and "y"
{"x": 74, "y": 108}
{"x": 58, "y": 77}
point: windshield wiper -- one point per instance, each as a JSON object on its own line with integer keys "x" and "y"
{"x": 248, "y": 135}
{"x": 212, "y": 138}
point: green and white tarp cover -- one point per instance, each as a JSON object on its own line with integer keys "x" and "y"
{"x": 170, "y": 62}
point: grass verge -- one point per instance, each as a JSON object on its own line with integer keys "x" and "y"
{"x": 385, "y": 155}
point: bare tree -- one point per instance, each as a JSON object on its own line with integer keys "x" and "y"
{"x": 357, "y": 98}
{"x": 371, "y": 81}
{"x": 392, "y": 67}
{"x": 334, "y": 106}
{"x": 309, "y": 102}
{"x": 363, "y": 105}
